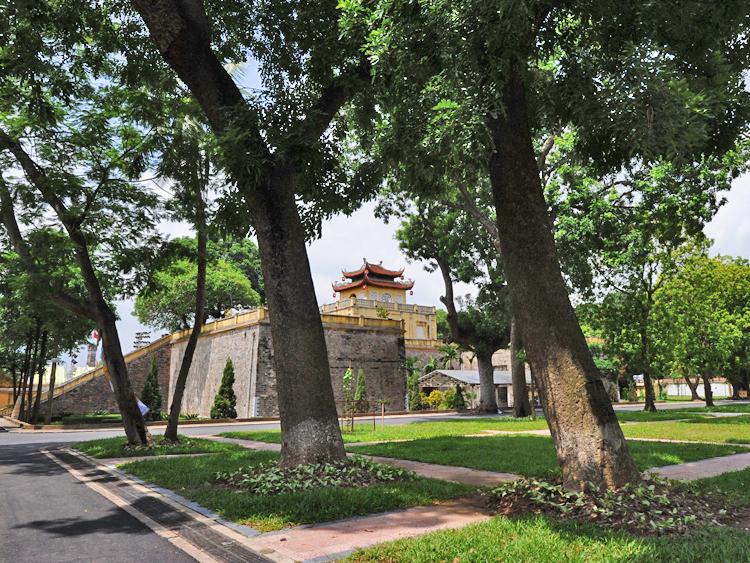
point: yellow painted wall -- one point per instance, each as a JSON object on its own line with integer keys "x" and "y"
{"x": 420, "y": 322}
{"x": 6, "y": 397}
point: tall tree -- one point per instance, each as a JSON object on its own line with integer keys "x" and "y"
{"x": 703, "y": 309}
{"x": 453, "y": 243}
{"x": 616, "y": 235}
{"x": 633, "y": 80}
{"x": 70, "y": 146}
{"x": 276, "y": 149}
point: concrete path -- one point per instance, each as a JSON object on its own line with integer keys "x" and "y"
{"x": 327, "y": 542}
{"x": 462, "y": 475}
{"x": 704, "y": 468}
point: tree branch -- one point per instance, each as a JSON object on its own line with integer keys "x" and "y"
{"x": 471, "y": 207}
{"x": 180, "y": 30}
{"x": 328, "y": 104}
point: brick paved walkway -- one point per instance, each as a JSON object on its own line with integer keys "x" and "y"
{"x": 326, "y": 542}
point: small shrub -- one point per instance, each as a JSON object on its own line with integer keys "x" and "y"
{"x": 225, "y": 403}
{"x": 355, "y": 471}
{"x": 361, "y": 402}
{"x": 459, "y": 403}
{"x": 449, "y": 396}
{"x": 434, "y": 399}
{"x": 653, "y": 507}
{"x": 151, "y": 396}
{"x": 415, "y": 397}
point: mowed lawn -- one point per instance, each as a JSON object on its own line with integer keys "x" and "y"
{"x": 734, "y": 430}
{"x": 116, "y": 447}
{"x": 365, "y": 433}
{"x": 195, "y": 478}
{"x": 529, "y": 455}
{"x": 545, "y": 540}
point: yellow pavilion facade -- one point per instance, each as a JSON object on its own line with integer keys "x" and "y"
{"x": 373, "y": 291}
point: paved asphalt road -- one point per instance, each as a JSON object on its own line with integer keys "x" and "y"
{"x": 46, "y": 515}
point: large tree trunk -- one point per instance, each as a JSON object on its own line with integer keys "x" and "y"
{"x": 708, "y": 393}
{"x": 192, "y": 343}
{"x": 32, "y": 372}
{"x": 50, "y": 394}
{"x": 589, "y": 442}
{"x": 693, "y": 388}
{"x": 487, "y": 393}
{"x": 114, "y": 360}
{"x": 521, "y": 405}
{"x": 648, "y": 385}
{"x": 40, "y": 372}
{"x": 309, "y": 422}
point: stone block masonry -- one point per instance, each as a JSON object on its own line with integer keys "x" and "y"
{"x": 375, "y": 345}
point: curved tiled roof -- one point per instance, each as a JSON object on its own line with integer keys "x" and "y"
{"x": 376, "y": 269}
{"x": 375, "y": 282}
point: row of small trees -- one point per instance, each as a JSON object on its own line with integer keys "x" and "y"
{"x": 692, "y": 324}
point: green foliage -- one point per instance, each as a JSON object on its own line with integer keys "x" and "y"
{"x": 168, "y": 301}
{"x": 449, "y": 355}
{"x": 225, "y": 401}
{"x": 703, "y": 310}
{"x": 346, "y": 384}
{"x": 354, "y": 471}
{"x": 435, "y": 399}
{"x": 412, "y": 386}
{"x": 382, "y": 312}
{"x": 195, "y": 478}
{"x": 655, "y": 507}
{"x": 361, "y": 400}
{"x": 151, "y": 395}
{"x": 459, "y": 402}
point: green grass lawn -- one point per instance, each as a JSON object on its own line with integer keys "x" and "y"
{"x": 115, "y": 447}
{"x": 88, "y": 418}
{"x": 195, "y": 478}
{"x": 735, "y": 430}
{"x": 643, "y": 416}
{"x": 529, "y": 455}
{"x": 734, "y": 485}
{"x": 739, "y": 407}
{"x": 415, "y": 430}
{"x": 541, "y": 539}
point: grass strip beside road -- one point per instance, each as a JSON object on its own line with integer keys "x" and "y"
{"x": 541, "y": 539}
{"x": 116, "y": 447}
{"x": 533, "y": 456}
{"x": 195, "y": 479}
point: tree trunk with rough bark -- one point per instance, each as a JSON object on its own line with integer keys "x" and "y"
{"x": 309, "y": 422}
{"x": 693, "y": 388}
{"x": 521, "y": 405}
{"x": 707, "y": 391}
{"x": 487, "y": 394}
{"x": 200, "y": 302}
{"x": 50, "y": 394}
{"x": 587, "y": 436}
{"x": 648, "y": 386}
{"x": 40, "y": 372}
